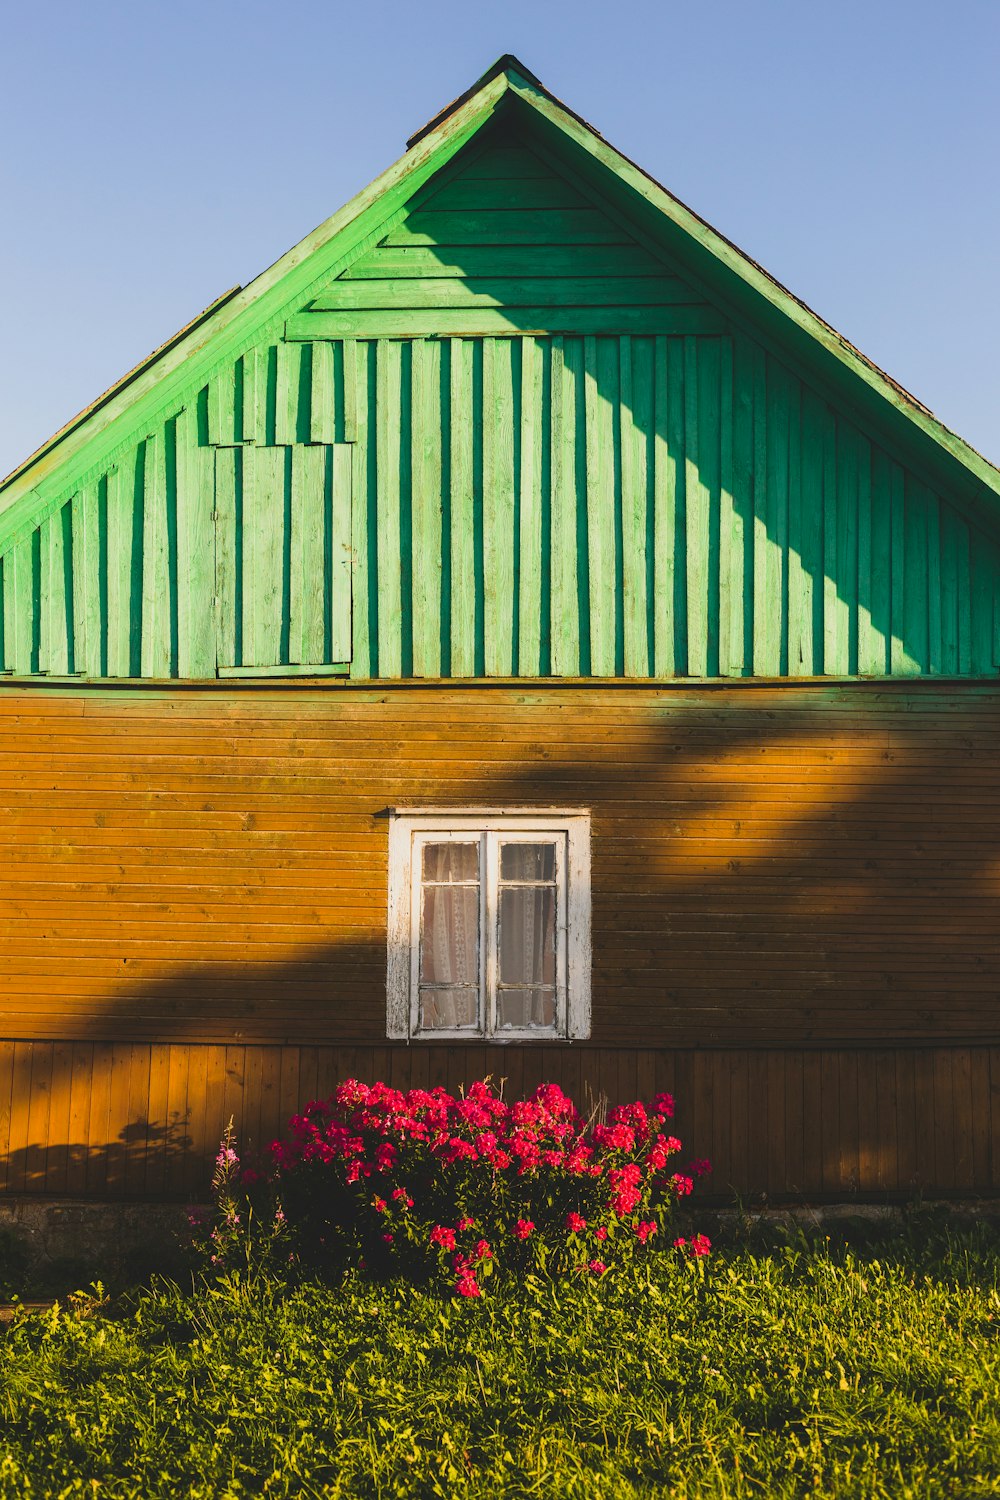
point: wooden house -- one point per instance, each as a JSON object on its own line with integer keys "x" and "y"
{"x": 512, "y": 636}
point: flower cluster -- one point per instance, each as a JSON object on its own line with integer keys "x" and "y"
{"x": 429, "y": 1185}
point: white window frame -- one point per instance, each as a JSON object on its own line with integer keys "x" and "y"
{"x": 409, "y": 830}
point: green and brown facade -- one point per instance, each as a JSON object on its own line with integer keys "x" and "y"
{"x": 514, "y": 492}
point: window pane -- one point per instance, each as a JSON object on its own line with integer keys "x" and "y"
{"x": 449, "y": 935}
{"x": 527, "y": 934}
{"x": 448, "y": 1009}
{"x": 523, "y": 1008}
{"x": 527, "y": 861}
{"x": 451, "y": 862}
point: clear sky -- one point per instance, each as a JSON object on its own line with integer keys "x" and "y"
{"x": 156, "y": 154}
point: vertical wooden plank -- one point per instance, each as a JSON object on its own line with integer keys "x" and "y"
{"x": 773, "y": 1145}
{"x": 600, "y": 393}
{"x": 942, "y": 1083}
{"x": 963, "y": 1175}
{"x": 668, "y": 565}
{"x": 310, "y": 570}
{"x": 98, "y": 1123}
{"x": 929, "y": 1151}
{"x": 766, "y": 567}
{"x": 264, "y": 541}
{"x": 849, "y": 1134}
{"x": 963, "y": 576}
{"x": 879, "y": 581}
{"x": 812, "y": 1122}
{"x": 119, "y": 563}
{"x": 228, "y": 537}
{"x": 352, "y": 354}
{"x": 215, "y": 1115}
{"x": 846, "y": 645}
{"x": 135, "y": 1135}
{"x": 58, "y": 595}
{"x": 899, "y": 660}
{"x": 743, "y": 546}
{"x": 977, "y": 1114}
{"x": 908, "y": 1177}
{"x": 831, "y": 1120}
{"x": 983, "y": 582}
{"x": 86, "y": 584}
{"x": 915, "y": 575}
{"x": 388, "y": 418}
{"x": 8, "y": 1075}
{"x": 195, "y": 1166}
{"x": 793, "y": 1181}
{"x": 158, "y": 1126}
{"x": 155, "y": 628}
{"x": 530, "y": 479}
{"x": 833, "y": 605}
{"x": 428, "y": 538}
{"x": 81, "y": 1083}
{"x": 886, "y": 1106}
{"x": 498, "y": 506}
{"x": 805, "y": 568}
{"x": 222, "y": 405}
{"x": 731, "y": 533}
{"x": 933, "y": 554}
{"x": 698, "y": 427}
{"x": 58, "y": 1134}
{"x": 254, "y": 427}
{"x": 195, "y": 551}
{"x": 322, "y": 417}
{"x": 287, "y": 362}
{"x": 338, "y": 478}
{"x": 994, "y": 1116}
{"x": 463, "y": 569}
{"x": 567, "y": 512}
{"x": 870, "y": 648}
{"x": 38, "y": 1109}
{"x": 118, "y": 1116}
{"x": 363, "y": 499}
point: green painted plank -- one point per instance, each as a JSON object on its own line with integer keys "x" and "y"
{"x": 121, "y": 525}
{"x": 709, "y": 449}
{"x": 739, "y": 575}
{"x": 350, "y": 384}
{"x": 21, "y": 619}
{"x": 291, "y": 669}
{"x": 665, "y": 463}
{"x": 288, "y": 359}
{"x": 583, "y": 226}
{"x": 462, "y": 499}
{"x": 531, "y": 479}
{"x": 600, "y": 511}
{"x": 807, "y": 649}
{"x": 222, "y": 405}
{"x": 428, "y": 539}
{"x": 494, "y": 322}
{"x": 731, "y": 527}
{"x": 310, "y": 563}
{"x": 799, "y": 635}
{"x": 155, "y": 624}
{"x": 498, "y": 507}
{"x": 634, "y": 415}
{"x": 963, "y": 557}
{"x": 677, "y": 438}
{"x": 832, "y": 663}
{"x": 254, "y": 426}
{"x": 57, "y": 603}
{"x": 505, "y": 292}
{"x": 501, "y": 261}
{"x": 932, "y": 515}
{"x": 951, "y": 527}
{"x": 899, "y": 660}
{"x": 487, "y": 195}
{"x": 390, "y": 603}
{"x": 983, "y": 583}
{"x": 565, "y": 508}
{"x": 915, "y": 574}
{"x": 364, "y": 515}
{"x": 696, "y": 527}
{"x": 847, "y": 547}
{"x": 41, "y": 601}
{"x": 7, "y": 625}
{"x": 881, "y": 570}
{"x": 322, "y": 416}
{"x": 775, "y": 614}
{"x": 871, "y": 640}
{"x": 267, "y": 540}
{"x": 228, "y": 543}
{"x": 764, "y": 632}
{"x": 88, "y": 616}
{"x": 195, "y": 551}
{"x": 341, "y": 472}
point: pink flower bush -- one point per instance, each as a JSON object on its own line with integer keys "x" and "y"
{"x": 428, "y": 1185}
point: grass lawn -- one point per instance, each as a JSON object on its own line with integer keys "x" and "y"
{"x": 804, "y": 1368}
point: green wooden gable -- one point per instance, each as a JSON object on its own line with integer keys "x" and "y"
{"x": 512, "y": 412}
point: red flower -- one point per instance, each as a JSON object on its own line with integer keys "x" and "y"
{"x": 443, "y": 1237}
{"x": 467, "y": 1286}
{"x": 698, "y": 1245}
{"x": 663, "y": 1104}
{"x": 380, "y": 1205}
{"x": 523, "y": 1228}
{"x": 701, "y": 1166}
{"x": 682, "y": 1186}
{"x": 575, "y": 1223}
{"x": 600, "y": 1233}
{"x": 483, "y": 1251}
{"x": 466, "y": 1223}
{"x": 597, "y": 1267}
{"x": 644, "y": 1229}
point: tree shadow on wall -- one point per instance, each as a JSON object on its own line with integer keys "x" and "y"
{"x": 794, "y": 897}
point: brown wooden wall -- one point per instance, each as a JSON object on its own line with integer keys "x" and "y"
{"x": 795, "y": 912}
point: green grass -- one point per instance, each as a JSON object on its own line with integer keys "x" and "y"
{"x": 799, "y": 1369}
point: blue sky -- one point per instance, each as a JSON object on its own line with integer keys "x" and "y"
{"x": 155, "y": 155}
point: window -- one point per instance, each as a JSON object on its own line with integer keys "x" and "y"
{"x": 489, "y": 924}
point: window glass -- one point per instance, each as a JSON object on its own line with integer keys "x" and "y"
{"x": 449, "y": 960}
